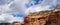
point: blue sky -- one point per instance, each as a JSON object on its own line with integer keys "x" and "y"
{"x": 17, "y": 8}
{"x": 36, "y": 2}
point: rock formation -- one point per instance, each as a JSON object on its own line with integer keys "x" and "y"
{"x": 51, "y": 17}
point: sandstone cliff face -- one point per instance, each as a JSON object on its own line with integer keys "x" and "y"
{"x": 54, "y": 17}
{"x": 43, "y": 18}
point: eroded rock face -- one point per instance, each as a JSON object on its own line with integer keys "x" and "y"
{"x": 45, "y": 18}
{"x": 35, "y": 20}
{"x": 54, "y": 17}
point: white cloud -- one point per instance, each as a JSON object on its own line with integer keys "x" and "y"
{"x": 19, "y": 5}
{"x": 45, "y": 5}
{"x": 7, "y": 18}
{"x": 15, "y": 6}
{"x": 21, "y": 19}
{"x": 2, "y": 2}
{"x": 4, "y": 8}
{"x": 37, "y": 8}
{"x": 4, "y": 18}
{"x": 48, "y": 2}
{"x": 7, "y": 10}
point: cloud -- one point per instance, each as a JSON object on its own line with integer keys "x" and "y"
{"x": 45, "y": 5}
{"x": 16, "y": 6}
{"x": 2, "y": 2}
{"x": 19, "y": 19}
{"x": 33, "y": 2}
{"x": 37, "y": 8}
{"x": 7, "y": 18}
{"x": 19, "y": 5}
{"x": 4, "y": 8}
{"x": 48, "y": 2}
{"x": 12, "y": 8}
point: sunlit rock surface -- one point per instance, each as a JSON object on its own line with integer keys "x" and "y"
{"x": 51, "y": 17}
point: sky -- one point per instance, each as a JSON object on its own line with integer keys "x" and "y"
{"x": 15, "y": 10}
